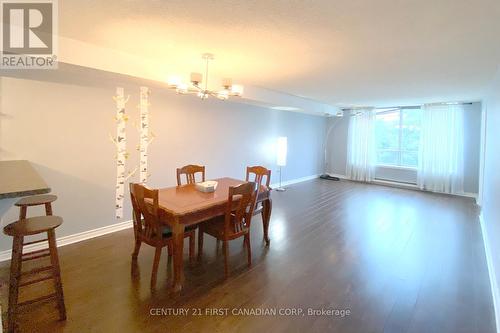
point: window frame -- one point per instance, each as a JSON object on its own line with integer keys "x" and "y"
{"x": 399, "y": 151}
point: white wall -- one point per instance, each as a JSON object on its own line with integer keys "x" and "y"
{"x": 63, "y": 130}
{"x": 490, "y": 202}
{"x": 336, "y": 145}
{"x": 337, "y": 151}
{"x": 472, "y": 146}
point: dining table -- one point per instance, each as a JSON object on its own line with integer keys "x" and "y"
{"x": 184, "y": 205}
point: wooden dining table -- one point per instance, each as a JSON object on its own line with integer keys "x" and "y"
{"x": 184, "y": 205}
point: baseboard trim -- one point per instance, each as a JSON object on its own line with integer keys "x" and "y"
{"x": 469, "y": 195}
{"x": 75, "y": 238}
{"x": 495, "y": 293}
{"x": 391, "y": 183}
{"x": 411, "y": 186}
{"x": 294, "y": 181}
{"x": 408, "y": 186}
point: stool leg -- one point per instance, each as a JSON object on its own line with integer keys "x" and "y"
{"x": 48, "y": 209}
{"x": 57, "y": 274}
{"x": 22, "y": 212}
{"x": 15, "y": 275}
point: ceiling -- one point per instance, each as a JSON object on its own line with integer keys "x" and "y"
{"x": 342, "y": 52}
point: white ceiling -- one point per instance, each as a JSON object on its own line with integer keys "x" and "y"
{"x": 343, "y": 52}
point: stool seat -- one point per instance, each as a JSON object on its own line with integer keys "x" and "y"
{"x": 33, "y": 225}
{"x": 36, "y": 200}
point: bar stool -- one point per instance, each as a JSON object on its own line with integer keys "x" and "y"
{"x": 18, "y": 230}
{"x": 35, "y": 200}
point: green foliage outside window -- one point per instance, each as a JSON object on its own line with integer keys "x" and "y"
{"x": 397, "y": 134}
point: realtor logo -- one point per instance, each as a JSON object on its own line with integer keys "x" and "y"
{"x": 29, "y": 34}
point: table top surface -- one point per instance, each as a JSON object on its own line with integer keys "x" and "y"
{"x": 185, "y": 199}
{"x": 18, "y": 179}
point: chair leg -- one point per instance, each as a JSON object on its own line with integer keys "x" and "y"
{"x": 48, "y": 209}
{"x": 200, "y": 243}
{"x": 249, "y": 249}
{"x": 192, "y": 245}
{"x": 156, "y": 263}
{"x": 22, "y": 212}
{"x": 54, "y": 259}
{"x": 170, "y": 249}
{"x": 226, "y": 257}
{"x": 15, "y": 272}
{"x": 136, "y": 249}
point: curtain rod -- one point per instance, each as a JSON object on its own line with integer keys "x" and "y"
{"x": 406, "y": 107}
{"x": 449, "y": 103}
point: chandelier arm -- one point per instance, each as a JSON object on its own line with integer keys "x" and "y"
{"x": 197, "y": 87}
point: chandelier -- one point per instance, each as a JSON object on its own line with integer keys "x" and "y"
{"x": 196, "y": 87}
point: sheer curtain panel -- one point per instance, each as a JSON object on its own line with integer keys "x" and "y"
{"x": 361, "y": 146}
{"x": 441, "y": 149}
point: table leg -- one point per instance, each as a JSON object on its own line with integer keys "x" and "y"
{"x": 267, "y": 206}
{"x": 178, "y": 240}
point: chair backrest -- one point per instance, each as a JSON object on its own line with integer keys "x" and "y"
{"x": 260, "y": 172}
{"x": 144, "y": 211}
{"x": 136, "y": 213}
{"x": 190, "y": 171}
{"x": 239, "y": 209}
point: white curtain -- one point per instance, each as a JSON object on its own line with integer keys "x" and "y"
{"x": 441, "y": 149}
{"x": 361, "y": 147}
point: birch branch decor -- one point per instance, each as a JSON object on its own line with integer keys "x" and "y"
{"x": 146, "y": 137}
{"x": 121, "y": 150}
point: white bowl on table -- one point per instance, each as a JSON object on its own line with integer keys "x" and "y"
{"x": 206, "y": 187}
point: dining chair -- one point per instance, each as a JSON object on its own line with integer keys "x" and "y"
{"x": 235, "y": 223}
{"x": 259, "y": 173}
{"x": 149, "y": 230}
{"x": 190, "y": 171}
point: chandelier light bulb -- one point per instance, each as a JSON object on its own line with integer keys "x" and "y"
{"x": 223, "y": 94}
{"x": 182, "y": 88}
{"x": 173, "y": 81}
{"x": 203, "y": 94}
{"x": 237, "y": 90}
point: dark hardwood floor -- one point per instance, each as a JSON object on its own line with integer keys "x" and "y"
{"x": 398, "y": 260}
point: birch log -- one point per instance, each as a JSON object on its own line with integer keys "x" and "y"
{"x": 144, "y": 135}
{"x": 121, "y": 151}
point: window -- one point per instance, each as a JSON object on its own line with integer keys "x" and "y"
{"x": 397, "y": 136}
